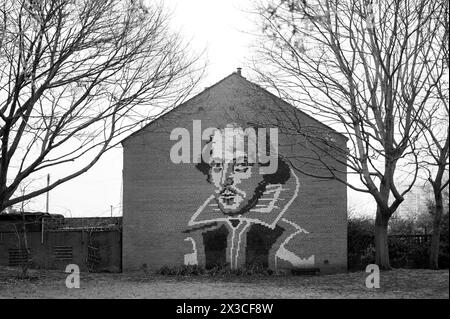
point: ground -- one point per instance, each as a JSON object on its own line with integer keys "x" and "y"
{"x": 399, "y": 283}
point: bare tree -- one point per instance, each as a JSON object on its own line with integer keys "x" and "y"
{"x": 435, "y": 123}
{"x": 367, "y": 69}
{"x": 25, "y": 247}
{"x": 75, "y": 77}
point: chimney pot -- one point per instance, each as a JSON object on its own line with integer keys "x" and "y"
{"x": 239, "y": 71}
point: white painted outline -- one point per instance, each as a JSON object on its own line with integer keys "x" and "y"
{"x": 194, "y": 253}
{"x": 247, "y": 225}
{"x": 283, "y": 244}
{"x": 193, "y": 221}
{"x": 194, "y": 247}
{"x": 259, "y": 208}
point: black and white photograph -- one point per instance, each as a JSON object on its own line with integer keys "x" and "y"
{"x": 224, "y": 156}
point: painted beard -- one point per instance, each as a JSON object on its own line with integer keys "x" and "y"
{"x": 231, "y": 201}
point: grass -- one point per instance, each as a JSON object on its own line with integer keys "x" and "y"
{"x": 399, "y": 283}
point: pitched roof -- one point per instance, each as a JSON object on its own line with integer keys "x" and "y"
{"x": 236, "y": 74}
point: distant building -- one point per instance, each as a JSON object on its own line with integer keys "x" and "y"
{"x": 211, "y": 212}
{"x": 415, "y": 202}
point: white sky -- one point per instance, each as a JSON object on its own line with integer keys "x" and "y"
{"x": 224, "y": 29}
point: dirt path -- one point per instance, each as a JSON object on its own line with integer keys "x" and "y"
{"x": 402, "y": 283}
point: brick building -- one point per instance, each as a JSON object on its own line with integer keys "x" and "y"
{"x": 209, "y": 212}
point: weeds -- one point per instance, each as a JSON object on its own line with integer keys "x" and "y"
{"x": 217, "y": 270}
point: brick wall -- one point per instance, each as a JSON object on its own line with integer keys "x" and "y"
{"x": 73, "y": 246}
{"x": 160, "y": 197}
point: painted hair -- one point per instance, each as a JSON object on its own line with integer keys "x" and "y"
{"x": 282, "y": 174}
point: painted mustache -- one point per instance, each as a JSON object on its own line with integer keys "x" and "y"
{"x": 228, "y": 192}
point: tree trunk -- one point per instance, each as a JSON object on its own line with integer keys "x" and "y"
{"x": 435, "y": 237}
{"x": 381, "y": 240}
{"x": 25, "y": 265}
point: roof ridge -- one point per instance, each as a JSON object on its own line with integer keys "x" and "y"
{"x": 239, "y": 75}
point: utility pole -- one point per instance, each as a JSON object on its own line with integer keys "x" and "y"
{"x": 111, "y": 209}
{"x": 48, "y": 194}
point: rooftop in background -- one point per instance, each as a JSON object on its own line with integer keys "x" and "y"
{"x": 35, "y": 221}
{"x": 28, "y": 216}
{"x": 92, "y": 222}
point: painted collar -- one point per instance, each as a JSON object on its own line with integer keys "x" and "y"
{"x": 268, "y": 210}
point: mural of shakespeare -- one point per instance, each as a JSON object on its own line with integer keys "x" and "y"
{"x": 242, "y": 221}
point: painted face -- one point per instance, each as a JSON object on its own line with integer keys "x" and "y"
{"x": 235, "y": 182}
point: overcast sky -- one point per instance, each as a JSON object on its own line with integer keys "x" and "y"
{"x": 225, "y": 30}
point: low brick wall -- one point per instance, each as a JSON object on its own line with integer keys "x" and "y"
{"x": 90, "y": 249}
